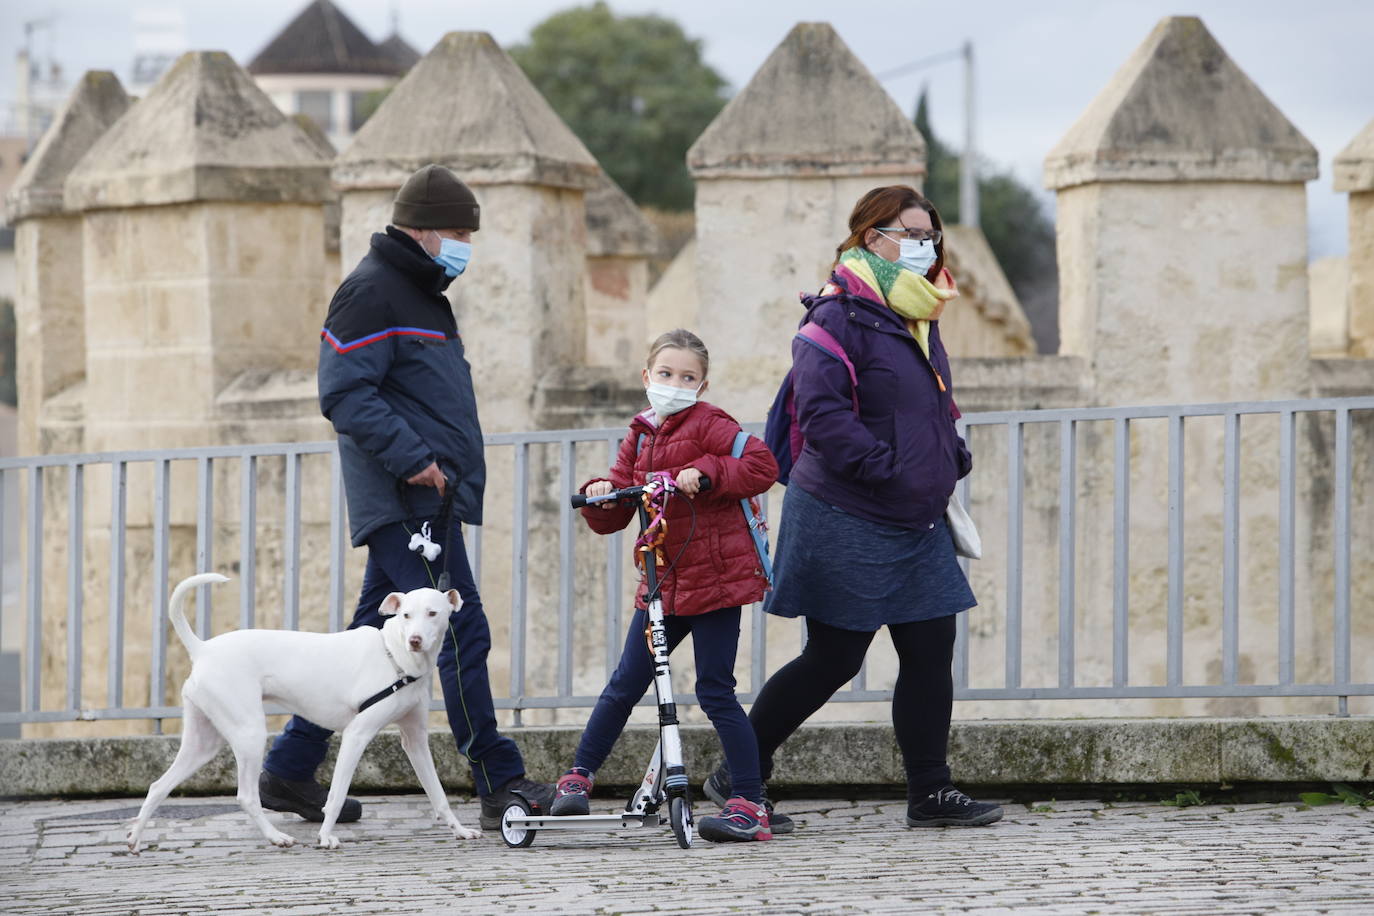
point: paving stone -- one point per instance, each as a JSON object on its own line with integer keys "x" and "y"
{"x": 846, "y": 857}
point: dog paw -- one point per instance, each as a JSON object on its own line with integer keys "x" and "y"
{"x": 464, "y": 833}
{"x": 281, "y": 839}
{"x": 328, "y": 841}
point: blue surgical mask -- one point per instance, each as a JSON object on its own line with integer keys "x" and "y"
{"x": 917, "y": 257}
{"x": 667, "y": 400}
{"x": 453, "y": 255}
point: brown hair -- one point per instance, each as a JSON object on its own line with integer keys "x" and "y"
{"x": 680, "y": 339}
{"x": 882, "y": 207}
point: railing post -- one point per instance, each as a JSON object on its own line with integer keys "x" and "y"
{"x": 248, "y": 546}
{"x": 34, "y": 636}
{"x": 519, "y": 581}
{"x": 119, "y": 500}
{"x": 205, "y": 539}
{"x": 1121, "y": 554}
{"x": 1068, "y": 500}
{"x": 614, "y": 543}
{"x": 1174, "y": 662}
{"x": 1230, "y": 562}
{"x": 76, "y": 544}
{"x": 291, "y": 545}
{"x": 960, "y": 673}
{"x": 157, "y": 686}
{"x": 338, "y": 542}
{"x": 1015, "y": 493}
{"x": 565, "y": 569}
{"x": 1287, "y": 514}
{"x": 1342, "y": 546}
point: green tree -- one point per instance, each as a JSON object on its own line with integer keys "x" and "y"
{"x": 633, "y": 88}
{"x": 1014, "y": 222}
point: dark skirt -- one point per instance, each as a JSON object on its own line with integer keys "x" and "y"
{"x": 855, "y": 574}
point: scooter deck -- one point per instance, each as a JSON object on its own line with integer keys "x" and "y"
{"x": 587, "y": 821}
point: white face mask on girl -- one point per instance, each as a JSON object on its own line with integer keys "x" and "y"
{"x": 667, "y": 400}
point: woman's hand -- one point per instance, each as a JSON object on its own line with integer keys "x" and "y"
{"x": 689, "y": 481}
{"x": 600, "y": 488}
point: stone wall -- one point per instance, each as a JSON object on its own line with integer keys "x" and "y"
{"x": 1182, "y": 245}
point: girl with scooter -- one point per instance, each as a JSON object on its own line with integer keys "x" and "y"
{"x": 708, "y": 568}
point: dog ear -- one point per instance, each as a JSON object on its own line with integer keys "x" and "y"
{"x": 390, "y": 604}
{"x": 453, "y": 600}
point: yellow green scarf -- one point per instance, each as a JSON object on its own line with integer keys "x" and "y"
{"x": 908, "y": 294}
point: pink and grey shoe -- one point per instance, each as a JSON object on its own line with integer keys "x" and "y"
{"x": 740, "y": 820}
{"x": 570, "y": 795}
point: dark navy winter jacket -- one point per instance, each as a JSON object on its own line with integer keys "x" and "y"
{"x": 897, "y": 460}
{"x": 398, "y": 389}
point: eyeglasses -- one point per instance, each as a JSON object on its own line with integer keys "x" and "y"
{"x": 916, "y": 235}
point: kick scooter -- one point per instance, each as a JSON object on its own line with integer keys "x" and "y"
{"x": 665, "y": 780}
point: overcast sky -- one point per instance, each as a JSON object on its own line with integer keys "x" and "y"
{"x": 1039, "y": 63}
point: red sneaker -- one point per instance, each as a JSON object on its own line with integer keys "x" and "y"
{"x": 739, "y": 821}
{"x": 570, "y": 795}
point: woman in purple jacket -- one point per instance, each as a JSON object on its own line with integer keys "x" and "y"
{"x": 863, "y": 542}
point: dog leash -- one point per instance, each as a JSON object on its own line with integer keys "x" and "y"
{"x": 400, "y": 682}
{"x": 422, "y": 541}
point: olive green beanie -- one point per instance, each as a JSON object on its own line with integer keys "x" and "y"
{"x": 434, "y": 198}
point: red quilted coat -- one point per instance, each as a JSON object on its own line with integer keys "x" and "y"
{"x": 720, "y": 567}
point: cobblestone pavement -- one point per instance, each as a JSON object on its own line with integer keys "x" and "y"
{"x": 845, "y": 857}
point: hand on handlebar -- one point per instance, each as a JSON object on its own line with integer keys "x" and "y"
{"x": 601, "y": 488}
{"x": 689, "y": 481}
{"x": 603, "y": 494}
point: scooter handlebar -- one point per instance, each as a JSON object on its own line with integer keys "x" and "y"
{"x": 580, "y": 500}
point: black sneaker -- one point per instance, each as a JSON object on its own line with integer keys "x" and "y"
{"x": 717, "y": 788}
{"x": 948, "y": 807}
{"x": 539, "y": 794}
{"x": 304, "y": 798}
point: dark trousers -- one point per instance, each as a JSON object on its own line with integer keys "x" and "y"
{"x": 922, "y": 700}
{"x": 393, "y": 567}
{"x": 715, "y": 640}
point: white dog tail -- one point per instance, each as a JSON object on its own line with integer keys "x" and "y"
{"x": 184, "y": 632}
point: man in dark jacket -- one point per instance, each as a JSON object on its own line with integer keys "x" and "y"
{"x": 396, "y": 386}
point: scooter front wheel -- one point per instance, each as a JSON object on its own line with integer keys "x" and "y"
{"x": 680, "y": 817}
{"x": 516, "y": 836}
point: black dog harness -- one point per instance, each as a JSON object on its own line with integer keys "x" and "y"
{"x": 385, "y": 692}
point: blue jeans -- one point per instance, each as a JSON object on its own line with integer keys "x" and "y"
{"x": 715, "y": 640}
{"x": 393, "y": 567}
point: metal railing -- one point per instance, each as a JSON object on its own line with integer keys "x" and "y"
{"x": 542, "y": 467}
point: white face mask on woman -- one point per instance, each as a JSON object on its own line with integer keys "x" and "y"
{"x": 667, "y": 400}
{"x": 917, "y": 256}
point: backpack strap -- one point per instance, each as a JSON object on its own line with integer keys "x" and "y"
{"x": 824, "y": 341}
{"x": 753, "y": 516}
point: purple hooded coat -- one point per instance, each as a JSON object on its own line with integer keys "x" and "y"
{"x": 897, "y": 460}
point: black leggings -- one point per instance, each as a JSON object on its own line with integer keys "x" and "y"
{"x": 921, "y": 702}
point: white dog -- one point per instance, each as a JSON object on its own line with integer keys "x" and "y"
{"x": 324, "y": 677}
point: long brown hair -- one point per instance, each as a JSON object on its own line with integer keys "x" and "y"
{"x": 882, "y": 207}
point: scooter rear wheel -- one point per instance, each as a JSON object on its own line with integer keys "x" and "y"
{"x": 516, "y": 836}
{"x": 680, "y": 817}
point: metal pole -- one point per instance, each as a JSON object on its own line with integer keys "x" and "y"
{"x": 968, "y": 162}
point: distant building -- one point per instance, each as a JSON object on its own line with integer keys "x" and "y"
{"x": 159, "y": 39}
{"x": 324, "y": 67}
